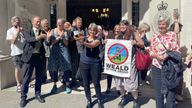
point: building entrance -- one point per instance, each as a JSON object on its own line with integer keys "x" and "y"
{"x": 102, "y": 12}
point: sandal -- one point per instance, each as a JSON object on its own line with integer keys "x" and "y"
{"x": 19, "y": 88}
{"x": 32, "y": 85}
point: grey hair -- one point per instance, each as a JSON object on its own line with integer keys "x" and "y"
{"x": 14, "y": 18}
{"x": 35, "y": 17}
{"x": 62, "y": 19}
{"x": 93, "y": 26}
{"x": 144, "y": 27}
{"x": 78, "y": 18}
{"x": 44, "y": 20}
{"x": 165, "y": 18}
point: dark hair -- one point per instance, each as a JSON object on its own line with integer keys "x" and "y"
{"x": 125, "y": 22}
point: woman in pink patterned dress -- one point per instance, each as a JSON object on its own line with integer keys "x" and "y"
{"x": 158, "y": 52}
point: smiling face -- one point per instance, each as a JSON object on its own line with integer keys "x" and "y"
{"x": 162, "y": 26}
{"x": 45, "y": 25}
{"x": 60, "y": 24}
{"x": 36, "y": 22}
{"x": 78, "y": 23}
{"x": 123, "y": 27}
{"x": 16, "y": 22}
{"x": 117, "y": 30}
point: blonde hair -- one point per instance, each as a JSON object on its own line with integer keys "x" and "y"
{"x": 93, "y": 26}
{"x": 69, "y": 25}
{"x": 78, "y": 18}
{"x": 144, "y": 27}
{"x": 14, "y": 18}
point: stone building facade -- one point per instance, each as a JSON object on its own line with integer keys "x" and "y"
{"x": 147, "y": 10}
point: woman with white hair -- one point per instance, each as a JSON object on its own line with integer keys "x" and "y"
{"x": 161, "y": 42}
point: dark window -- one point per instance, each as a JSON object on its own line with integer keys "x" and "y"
{"x": 135, "y": 13}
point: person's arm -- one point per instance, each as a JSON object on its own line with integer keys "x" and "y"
{"x": 176, "y": 27}
{"x": 93, "y": 44}
{"x": 13, "y": 37}
{"x": 138, "y": 41}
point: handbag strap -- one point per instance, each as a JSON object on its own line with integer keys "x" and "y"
{"x": 162, "y": 43}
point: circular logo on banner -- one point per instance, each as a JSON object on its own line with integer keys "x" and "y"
{"x": 117, "y": 53}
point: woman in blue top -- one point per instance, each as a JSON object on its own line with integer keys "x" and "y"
{"x": 90, "y": 64}
{"x": 59, "y": 60}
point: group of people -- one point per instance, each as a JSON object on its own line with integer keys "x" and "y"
{"x": 70, "y": 50}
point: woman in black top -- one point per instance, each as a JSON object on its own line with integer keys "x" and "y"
{"x": 90, "y": 64}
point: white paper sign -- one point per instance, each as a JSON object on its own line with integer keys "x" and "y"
{"x": 118, "y": 57}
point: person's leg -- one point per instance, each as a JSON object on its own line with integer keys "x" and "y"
{"x": 85, "y": 72}
{"x": 44, "y": 72}
{"x": 18, "y": 78}
{"x": 122, "y": 103}
{"x": 54, "y": 78}
{"x": 143, "y": 75}
{"x": 179, "y": 90}
{"x": 156, "y": 80}
{"x": 28, "y": 71}
{"x": 109, "y": 81}
{"x": 170, "y": 99}
{"x": 66, "y": 76}
{"x": 38, "y": 74}
{"x": 18, "y": 65}
{"x": 96, "y": 76}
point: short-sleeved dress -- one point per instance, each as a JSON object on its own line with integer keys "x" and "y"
{"x": 59, "y": 59}
{"x": 130, "y": 84}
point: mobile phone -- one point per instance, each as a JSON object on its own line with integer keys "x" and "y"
{"x": 76, "y": 33}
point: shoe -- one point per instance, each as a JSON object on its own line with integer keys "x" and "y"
{"x": 23, "y": 102}
{"x": 40, "y": 98}
{"x": 67, "y": 90}
{"x": 107, "y": 91}
{"x": 122, "y": 102}
{"x": 179, "y": 98}
{"x": 100, "y": 104}
{"x": 54, "y": 89}
{"x": 136, "y": 103}
{"x": 89, "y": 104}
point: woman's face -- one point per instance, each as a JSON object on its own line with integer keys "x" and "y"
{"x": 66, "y": 26}
{"x": 123, "y": 27}
{"x": 92, "y": 32}
{"x": 60, "y": 24}
{"x": 162, "y": 26}
{"x": 117, "y": 30}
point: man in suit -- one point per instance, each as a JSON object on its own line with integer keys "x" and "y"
{"x": 33, "y": 52}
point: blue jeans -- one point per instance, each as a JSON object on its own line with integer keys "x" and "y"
{"x": 170, "y": 96}
{"x": 91, "y": 72}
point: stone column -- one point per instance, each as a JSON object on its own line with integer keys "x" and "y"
{"x": 126, "y": 10}
{"x": 3, "y": 27}
{"x": 61, "y": 9}
{"x": 186, "y": 41}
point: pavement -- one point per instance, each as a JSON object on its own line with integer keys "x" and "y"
{"x": 9, "y": 98}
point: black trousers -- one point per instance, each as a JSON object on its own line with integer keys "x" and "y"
{"x": 44, "y": 76}
{"x": 109, "y": 81}
{"x": 91, "y": 71}
{"x": 34, "y": 62}
{"x": 65, "y": 77}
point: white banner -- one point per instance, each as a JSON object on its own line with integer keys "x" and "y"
{"x": 118, "y": 57}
